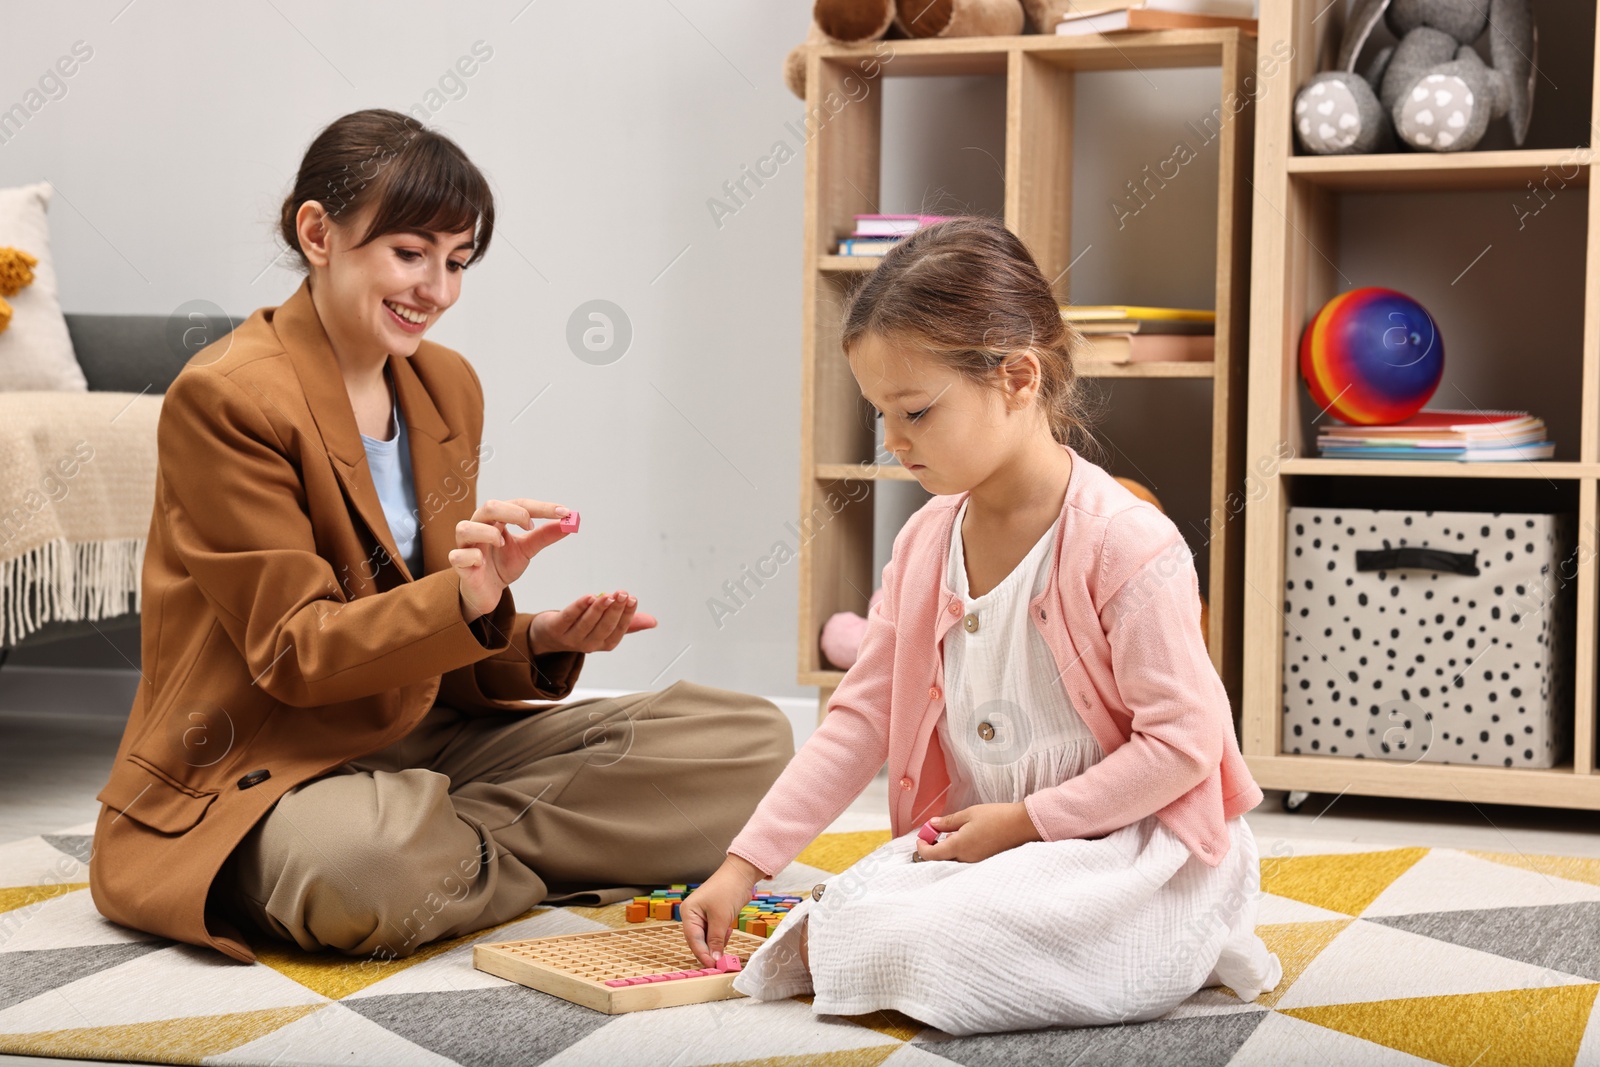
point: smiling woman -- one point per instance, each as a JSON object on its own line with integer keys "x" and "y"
{"x": 364, "y": 653}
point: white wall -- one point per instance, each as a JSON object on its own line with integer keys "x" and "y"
{"x": 604, "y": 129}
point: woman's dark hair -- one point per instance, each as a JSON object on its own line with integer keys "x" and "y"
{"x": 416, "y": 176}
{"x": 968, "y": 291}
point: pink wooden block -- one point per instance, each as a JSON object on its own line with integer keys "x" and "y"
{"x": 728, "y": 963}
{"x": 616, "y": 981}
{"x": 928, "y": 833}
{"x": 569, "y": 522}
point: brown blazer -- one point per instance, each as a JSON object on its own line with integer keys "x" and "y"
{"x": 282, "y": 633}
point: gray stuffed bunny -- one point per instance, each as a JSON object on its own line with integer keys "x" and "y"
{"x": 1431, "y": 89}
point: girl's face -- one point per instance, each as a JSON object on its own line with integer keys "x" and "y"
{"x": 950, "y": 432}
{"x": 392, "y": 290}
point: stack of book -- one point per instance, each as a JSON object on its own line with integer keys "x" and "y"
{"x": 876, "y": 234}
{"x": 1443, "y": 434}
{"x": 1133, "y": 333}
{"x": 1112, "y": 16}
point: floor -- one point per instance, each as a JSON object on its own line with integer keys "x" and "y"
{"x": 59, "y": 730}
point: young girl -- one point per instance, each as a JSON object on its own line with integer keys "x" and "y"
{"x": 1036, "y": 678}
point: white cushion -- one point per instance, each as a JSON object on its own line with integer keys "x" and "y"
{"x": 35, "y": 350}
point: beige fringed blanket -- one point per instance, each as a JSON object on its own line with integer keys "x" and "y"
{"x": 77, "y": 484}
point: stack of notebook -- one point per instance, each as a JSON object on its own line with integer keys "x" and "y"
{"x": 876, "y": 234}
{"x": 1112, "y": 16}
{"x": 1134, "y": 333}
{"x": 1443, "y": 434}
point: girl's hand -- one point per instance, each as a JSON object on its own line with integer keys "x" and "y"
{"x": 711, "y": 910}
{"x": 978, "y": 832}
{"x": 589, "y": 624}
{"x": 489, "y": 555}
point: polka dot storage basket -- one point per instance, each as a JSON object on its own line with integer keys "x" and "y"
{"x": 1442, "y": 636}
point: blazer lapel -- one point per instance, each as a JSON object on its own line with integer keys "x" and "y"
{"x": 300, "y": 329}
{"x": 432, "y": 474}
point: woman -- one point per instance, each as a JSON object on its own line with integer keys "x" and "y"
{"x": 329, "y": 743}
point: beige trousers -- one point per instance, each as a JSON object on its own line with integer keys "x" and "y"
{"x": 469, "y": 821}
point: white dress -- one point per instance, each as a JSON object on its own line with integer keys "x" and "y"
{"x": 1079, "y": 932}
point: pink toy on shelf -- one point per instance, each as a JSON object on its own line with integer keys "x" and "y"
{"x": 842, "y": 633}
{"x": 569, "y": 522}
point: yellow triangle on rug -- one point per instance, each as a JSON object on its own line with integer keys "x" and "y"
{"x": 22, "y": 895}
{"x": 1343, "y": 881}
{"x": 835, "y": 853}
{"x": 1508, "y": 1028}
{"x": 1571, "y": 868}
{"x": 187, "y": 1040}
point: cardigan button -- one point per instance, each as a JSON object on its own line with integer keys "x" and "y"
{"x": 254, "y": 778}
{"x": 955, "y": 609}
{"x": 933, "y": 693}
{"x": 905, "y": 783}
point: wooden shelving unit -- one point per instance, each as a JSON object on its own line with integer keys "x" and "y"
{"x": 842, "y": 179}
{"x": 1297, "y": 246}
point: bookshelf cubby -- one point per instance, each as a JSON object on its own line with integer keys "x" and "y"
{"x": 845, "y": 175}
{"x": 1521, "y": 329}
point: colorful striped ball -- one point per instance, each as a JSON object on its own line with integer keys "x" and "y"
{"x": 1372, "y": 355}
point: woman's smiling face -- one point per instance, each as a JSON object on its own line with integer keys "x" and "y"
{"x": 392, "y": 290}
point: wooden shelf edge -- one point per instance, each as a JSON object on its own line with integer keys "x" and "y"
{"x": 979, "y": 55}
{"x": 1555, "y": 788}
{"x": 847, "y": 264}
{"x": 821, "y": 679}
{"x": 1440, "y": 468}
{"x": 1092, "y": 368}
{"x": 1443, "y": 170}
{"x": 862, "y": 472}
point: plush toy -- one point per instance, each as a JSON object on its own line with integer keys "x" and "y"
{"x": 850, "y": 22}
{"x": 844, "y": 630}
{"x": 16, "y": 271}
{"x": 1431, "y": 89}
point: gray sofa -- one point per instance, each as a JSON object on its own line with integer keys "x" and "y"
{"x": 121, "y": 354}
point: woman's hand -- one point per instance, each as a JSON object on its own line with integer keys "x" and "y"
{"x": 490, "y": 555}
{"x": 589, "y": 624}
{"x": 978, "y": 832}
{"x": 711, "y": 910}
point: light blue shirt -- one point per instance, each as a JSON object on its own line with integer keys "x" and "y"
{"x": 390, "y": 462}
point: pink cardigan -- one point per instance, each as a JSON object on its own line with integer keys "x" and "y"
{"x": 1121, "y": 614}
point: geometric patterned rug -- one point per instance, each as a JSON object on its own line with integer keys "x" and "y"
{"x": 1390, "y": 956}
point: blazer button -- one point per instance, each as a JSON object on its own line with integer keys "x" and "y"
{"x": 905, "y": 783}
{"x": 254, "y": 778}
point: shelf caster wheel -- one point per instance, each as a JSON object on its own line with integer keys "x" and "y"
{"x": 1294, "y": 799}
